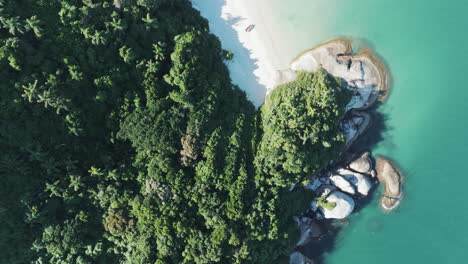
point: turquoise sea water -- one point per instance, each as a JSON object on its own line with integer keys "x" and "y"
{"x": 424, "y": 44}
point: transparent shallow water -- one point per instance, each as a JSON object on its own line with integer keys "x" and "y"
{"x": 424, "y": 44}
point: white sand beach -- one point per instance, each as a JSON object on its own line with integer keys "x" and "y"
{"x": 257, "y": 54}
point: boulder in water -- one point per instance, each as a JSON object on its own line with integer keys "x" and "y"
{"x": 342, "y": 184}
{"x": 343, "y": 206}
{"x": 362, "y": 164}
{"x": 362, "y": 183}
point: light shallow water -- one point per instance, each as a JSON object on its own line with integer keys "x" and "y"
{"x": 424, "y": 44}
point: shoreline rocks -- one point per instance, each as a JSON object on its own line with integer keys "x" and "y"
{"x": 363, "y": 73}
{"x": 298, "y": 258}
{"x": 355, "y": 126}
{"x": 339, "y": 188}
{"x": 363, "y": 164}
{"x": 344, "y": 183}
{"x": 309, "y": 229}
{"x": 344, "y": 206}
{"x": 391, "y": 177}
{"x": 362, "y": 183}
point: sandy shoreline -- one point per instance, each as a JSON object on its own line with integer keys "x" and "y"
{"x": 345, "y": 42}
{"x": 257, "y": 54}
{"x": 261, "y": 61}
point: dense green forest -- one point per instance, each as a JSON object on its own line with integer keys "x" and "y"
{"x": 123, "y": 139}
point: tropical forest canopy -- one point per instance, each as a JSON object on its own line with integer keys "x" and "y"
{"x": 123, "y": 139}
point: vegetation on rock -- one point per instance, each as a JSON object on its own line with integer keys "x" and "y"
{"x": 322, "y": 202}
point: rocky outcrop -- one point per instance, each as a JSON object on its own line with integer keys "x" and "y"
{"x": 309, "y": 229}
{"x": 351, "y": 178}
{"x": 354, "y": 126}
{"x": 362, "y": 164}
{"x": 362, "y": 183}
{"x": 344, "y": 206}
{"x": 363, "y": 73}
{"x": 343, "y": 184}
{"x": 391, "y": 177}
{"x": 298, "y": 258}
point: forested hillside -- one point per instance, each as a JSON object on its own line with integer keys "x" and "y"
{"x": 123, "y": 140}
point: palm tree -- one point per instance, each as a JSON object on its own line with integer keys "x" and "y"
{"x": 54, "y": 189}
{"x": 13, "y": 24}
{"x": 61, "y": 104}
{"x": 98, "y": 38}
{"x": 75, "y": 182}
{"x": 75, "y": 74}
{"x": 95, "y": 171}
{"x": 46, "y": 98}
{"x": 30, "y": 91}
{"x": 117, "y": 25}
{"x": 150, "y": 22}
{"x": 86, "y": 33}
{"x": 158, "y": 50}
{"x": 152, "y": 66}
{"x": 32, "y": 215}
{"x": 33, "y": 24}
{"x": 74, "y": 130}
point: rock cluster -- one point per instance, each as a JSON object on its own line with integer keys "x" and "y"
{"x": 362, "y": 73}
{"x": 344, "y": 206}
{"x": 338, "y": 189}
{"x": 309, "y": 229}
{"x": 340, "y": 186}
